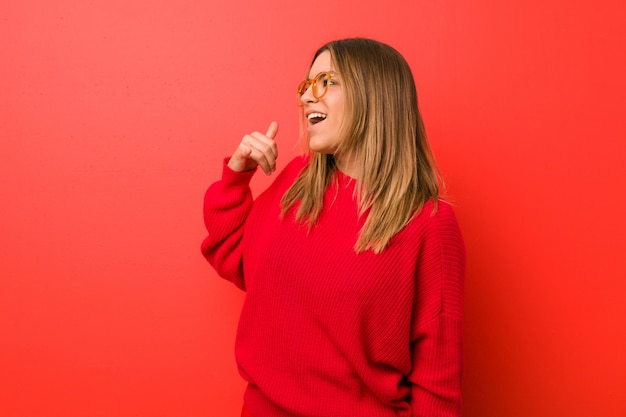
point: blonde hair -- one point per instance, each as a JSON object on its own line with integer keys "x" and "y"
{"x": 385, "y": 137}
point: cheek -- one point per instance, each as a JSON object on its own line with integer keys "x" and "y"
{"x": 341, "y": 118}
{"x": 341, "y": 110}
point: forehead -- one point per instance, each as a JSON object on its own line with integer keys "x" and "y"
{"x": 322, "y": 63}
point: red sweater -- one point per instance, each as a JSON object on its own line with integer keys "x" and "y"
{"x": 326, "y": 332}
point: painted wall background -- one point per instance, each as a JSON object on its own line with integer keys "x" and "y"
{"x": 115, "y": 116}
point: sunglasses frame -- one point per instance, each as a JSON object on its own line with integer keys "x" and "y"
{"x": 304, "y": 85}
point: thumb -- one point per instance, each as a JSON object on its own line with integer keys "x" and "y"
{"x": 271, "y": 130}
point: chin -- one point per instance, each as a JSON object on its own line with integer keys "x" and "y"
{"x": 322, "y": 150}
{"x": 320, "y": 147}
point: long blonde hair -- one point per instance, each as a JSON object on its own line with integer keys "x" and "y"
{"x": 385, "y": 137}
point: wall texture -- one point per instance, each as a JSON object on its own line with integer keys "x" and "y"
{"x": 115, "y": 116}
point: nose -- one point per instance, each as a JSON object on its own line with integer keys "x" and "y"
{"x": 308, "y": 96}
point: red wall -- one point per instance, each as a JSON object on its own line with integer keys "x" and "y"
{"x": 115, "y": 116}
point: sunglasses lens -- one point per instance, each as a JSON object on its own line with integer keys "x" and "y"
{"x": 321, "y": 82}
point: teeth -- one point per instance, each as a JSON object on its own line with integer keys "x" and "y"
{"x": 321, "y": 116}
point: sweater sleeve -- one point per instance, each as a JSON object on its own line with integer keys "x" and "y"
{"x": 437, "y": 340}
{"x": 226, "y": 205}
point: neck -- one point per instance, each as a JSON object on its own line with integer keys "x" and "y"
{"x": 347, "y": 165}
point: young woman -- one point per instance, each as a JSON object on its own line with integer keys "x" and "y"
{"x": 353, "y": 266}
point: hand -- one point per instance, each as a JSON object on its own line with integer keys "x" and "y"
{"x": 256, "y": 149}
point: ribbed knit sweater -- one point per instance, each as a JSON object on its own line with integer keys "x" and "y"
{"x": 327, "y": 332}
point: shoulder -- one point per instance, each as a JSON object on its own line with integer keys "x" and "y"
{"x": 448, "y": 231}
{"x": 444, "y": 218}
{"x": 432, "y": 233}
{"x": 437, "y": 217}
{"x": 439, "y": 235}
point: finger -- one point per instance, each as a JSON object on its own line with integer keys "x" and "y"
{"x": 272, "y": 130}
{"x": 271, "y": 133}
{"x": 241, "y": 161}
{"x": 262, "y": 151}
{"x": 263, "y": 143}
{"x": 263, "y": 156}
{"x": 242, "y": 152}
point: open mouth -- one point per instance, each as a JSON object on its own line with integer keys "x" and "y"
{"x": 315, "y": 118}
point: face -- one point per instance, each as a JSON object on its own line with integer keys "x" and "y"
{"x": 324, "y": 115}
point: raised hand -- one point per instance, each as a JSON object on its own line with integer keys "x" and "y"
{"x": 256, "y": 149}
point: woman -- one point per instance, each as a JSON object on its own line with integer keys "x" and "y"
{"x": 352, "y": 265}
